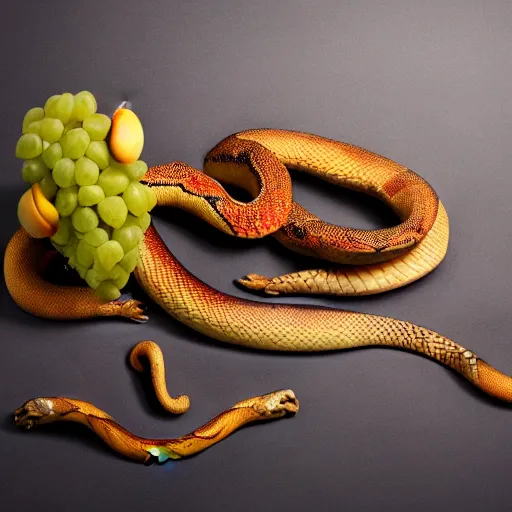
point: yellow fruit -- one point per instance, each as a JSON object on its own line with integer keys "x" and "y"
{"x": 36, "y": 214}
{"x": 126, "y": 136}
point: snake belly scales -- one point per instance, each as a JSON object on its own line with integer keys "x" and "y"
{"x": 257, "y": 160}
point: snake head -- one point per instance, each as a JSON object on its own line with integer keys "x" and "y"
{"x": 276, "y": 404}
{"x": 33, "y": 412}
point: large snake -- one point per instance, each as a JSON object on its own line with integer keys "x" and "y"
{"x": 257, "y": 160}
{"x": 42, "y": 410}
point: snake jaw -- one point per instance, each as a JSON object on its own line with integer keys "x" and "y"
{"x": 33, "y": 412}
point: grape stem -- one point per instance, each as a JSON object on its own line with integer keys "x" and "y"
{"x": 125, "y": 104}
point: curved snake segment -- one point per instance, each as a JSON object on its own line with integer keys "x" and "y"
{"x": 48, "y": 410}
{"x": 41, "y": 298}
{"x": 152, "y": 352}
{"x": 287, "y": 327}
{"x": 409, "y": 195}
{"x": 362, "y": 280}
{"x": 241, "y": 163}
{"x": 256, "y": 160}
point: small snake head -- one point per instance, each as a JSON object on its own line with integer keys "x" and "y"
{"x": 277, "y": 404}
{"x": 33, "y": 412}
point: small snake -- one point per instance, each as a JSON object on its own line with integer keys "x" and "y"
{"x": 38, "y": 411}
{"x": 256, "y": 160}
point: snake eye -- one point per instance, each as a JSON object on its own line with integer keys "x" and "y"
{"x": 298, "y": 232}
{"x": 126, "y": 136}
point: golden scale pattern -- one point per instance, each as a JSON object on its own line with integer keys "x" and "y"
{"x": 44, "y": 410}
{"x": 367, "y": 279}
{"x": 282, "y": 326}
{"x": 404, "y": 191}
{"x": 39, "y": 297}
{"x": 271, "y": 326}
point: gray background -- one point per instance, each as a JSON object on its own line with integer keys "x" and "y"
{"x": 427, "y": 84}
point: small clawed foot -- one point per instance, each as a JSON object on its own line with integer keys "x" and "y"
{"x": 288, "y": 402}
{"x": 132, "y": 309}
{"x": 257, "y": 282}
{"x": 279, "y": 403}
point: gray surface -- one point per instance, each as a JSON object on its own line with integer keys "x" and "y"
{"x": 425, "y": 83}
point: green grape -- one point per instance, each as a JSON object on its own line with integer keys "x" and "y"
{"x": 72, "y": 260}
{"x": 109, "y": 254}
{"x": 128, "y": 237}
{"x": 135, "y": 198}
{"x": 106, "y": 227}
{"x": 51, "y": 129}
{"x": 97, "y": 126}
{"x": 113, "y": 211}
{"x": 46, "y": 145}
{"x": 119, "y": 276}
{"x": 84, "y": 219}
{"x": 98, "y": 152}
{"x": 130, "y": 260}
{"x": 108, "y": 291}
{"x": 131, "y": 221}
{"x": 29, "y": 146}
{"x": 96, "y": 237}
{"x": 93, "y": 279}
{"x": 136, "y": 170}
{"x": 82, "y": 271}
{"x": 48, "y": 187}
{"x": 85, "y": 254}
{"x": 34, "y": 127}
{"x": 145, "y": 221}
{"x": 74, "y": 143}
{"x": 86, "y": 171}
{"x": 70, "y": 249}
{"x": 64, "y": 231}
{"x": 84, "y": 105}
{"x": 34, "y": 170}
{"x": 52, "y": 154}
{"x": 90, "y": 195}
{"x": 34, "y": 114}
{"x": 98, "y": 267}
{"x": 50, "y": 106}
{"x": 66, "y": 200}
{"x": 64, "y": 107}
{"x": 150, "y": 196}
{"x": 71, "y": 126}
{"x": 64, "y": 173}
{"x": 113, "y": 182}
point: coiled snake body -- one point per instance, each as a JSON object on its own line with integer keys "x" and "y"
{"x": 256, "y": 160}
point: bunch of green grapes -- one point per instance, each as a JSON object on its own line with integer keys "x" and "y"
{"x": 103, "y": 209}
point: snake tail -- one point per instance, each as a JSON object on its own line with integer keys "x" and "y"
{"x": 364, "y": 279}
{"x": 291, "y": 327}
{"x": 43, "y": 410}
{"x": 153, "y": 353}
